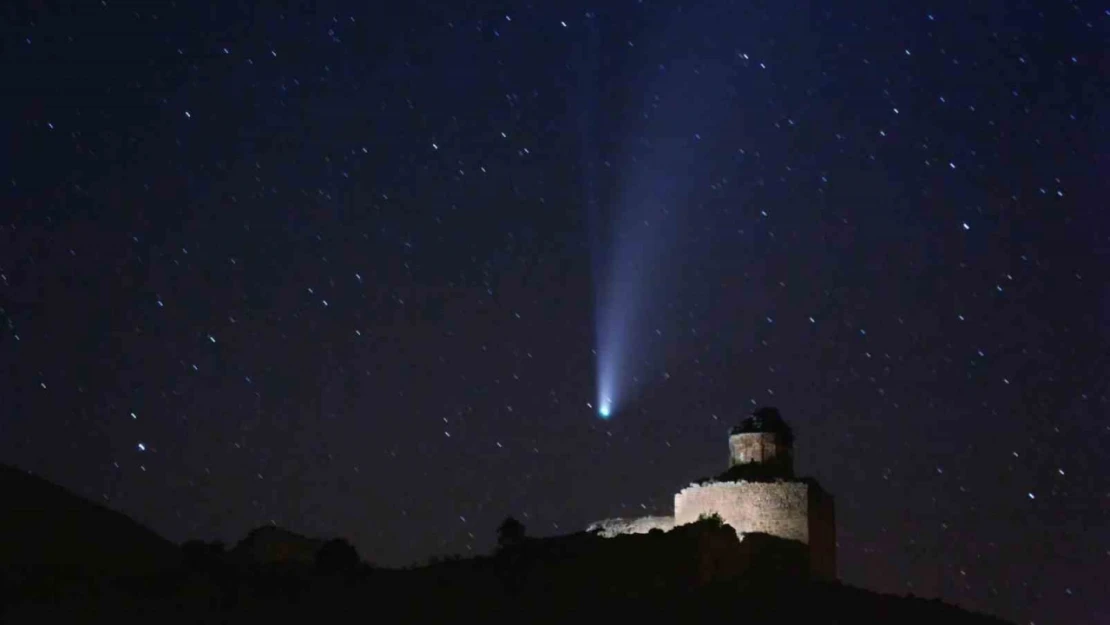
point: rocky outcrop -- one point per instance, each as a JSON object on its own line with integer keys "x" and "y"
{"x": 609, "y": 528}
{"x": 271, "y": 545}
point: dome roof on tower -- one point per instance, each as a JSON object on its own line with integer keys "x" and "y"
{"x": 766, "y": 419}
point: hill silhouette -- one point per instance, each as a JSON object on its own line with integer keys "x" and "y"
{"x": 52, "y": 537}
{"x": 66, "y": 559}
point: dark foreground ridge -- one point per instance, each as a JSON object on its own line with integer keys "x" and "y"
{"x": 73, "y": 561}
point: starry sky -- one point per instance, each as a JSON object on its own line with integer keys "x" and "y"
{"x": 345, "y": 267}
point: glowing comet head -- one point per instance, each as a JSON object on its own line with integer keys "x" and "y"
{"x": 604, "y": 410}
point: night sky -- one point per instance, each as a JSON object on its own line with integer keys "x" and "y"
{"x": 348, "y": 269}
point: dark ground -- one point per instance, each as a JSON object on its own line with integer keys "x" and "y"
{"x": 69, "y": 560}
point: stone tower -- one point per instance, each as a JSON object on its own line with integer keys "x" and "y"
{"x": 762, "y": 446}
{"x": 759, "y": 493}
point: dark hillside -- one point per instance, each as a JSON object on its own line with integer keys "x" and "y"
{"x": 51, "y": 533}
{"x": 69, "y": 560}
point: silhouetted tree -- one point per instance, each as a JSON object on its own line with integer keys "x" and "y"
{"x": 511, "y": 532}
{"x": 337, "y": 556}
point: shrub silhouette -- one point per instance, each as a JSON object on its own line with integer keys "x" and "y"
{"x": 510, "y": 533}
{"x": 713, "y": 518}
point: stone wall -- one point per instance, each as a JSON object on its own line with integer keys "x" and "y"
{"x": 639, "y": 525}
{"x": 775, "y": 508}
{"x": 767, "y": 449}
{"x": 822, "y": 533}
{"x": 789, "y": 509}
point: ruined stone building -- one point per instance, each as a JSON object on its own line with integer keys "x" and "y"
{"x": 758, "y": 493}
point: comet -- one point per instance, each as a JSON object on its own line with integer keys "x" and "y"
{"x": 644, "y": 200}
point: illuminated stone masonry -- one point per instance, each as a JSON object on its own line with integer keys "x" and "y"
{"x": 758, "y": 493}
